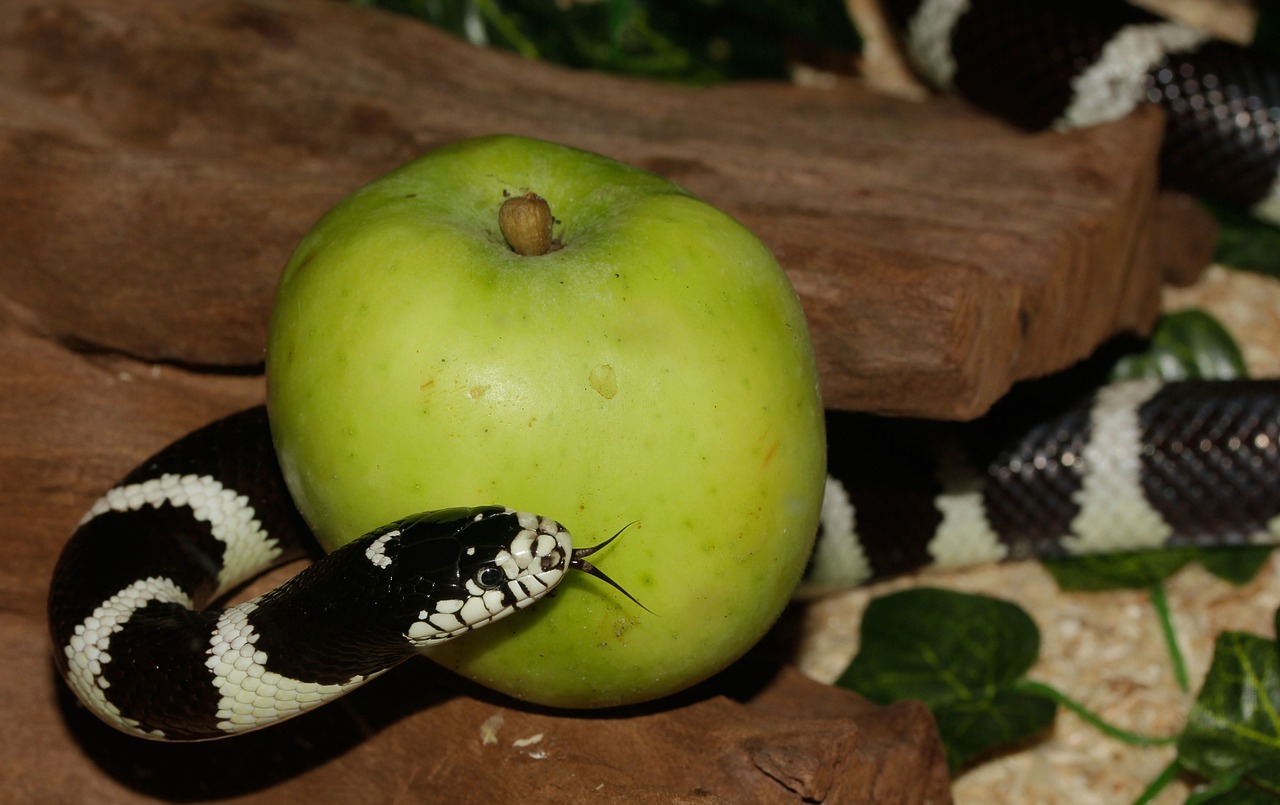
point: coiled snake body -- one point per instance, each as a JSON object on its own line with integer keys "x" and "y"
{"x": 210, "y": 512}
{"x": 1137, "y": 465}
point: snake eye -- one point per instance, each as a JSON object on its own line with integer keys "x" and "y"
{"x": 490, "y": 577}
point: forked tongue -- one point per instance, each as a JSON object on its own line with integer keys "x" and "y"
{"x": 578, "y": 561}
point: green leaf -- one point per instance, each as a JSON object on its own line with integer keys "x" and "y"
{"x": 1187, "y": 344}
{"x": 1234, "y": 725}
{"x": 1266, "y": 33}
{"x": 940, "y": 646}
{"x": 1246, "y": 242}
{"x": 1120, "y": 571}
{"x": 679, "y": 40}
{"x": 1239, "y": 795}
{"x": 1236, "y": 565}
{"x": 963, "y": 655}
{"x": 972, "y": 728}
{"x": 1144, "y": 569}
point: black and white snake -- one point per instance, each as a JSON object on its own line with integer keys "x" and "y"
{"x": 1138, "y": 464}
{"x": 210, "y": 512}
{"x": 1065, "y": 64}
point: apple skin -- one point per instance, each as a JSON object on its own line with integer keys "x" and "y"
{"x": 656, "y": 370}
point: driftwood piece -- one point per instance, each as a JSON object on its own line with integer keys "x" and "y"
{"x": 158, "y": 161}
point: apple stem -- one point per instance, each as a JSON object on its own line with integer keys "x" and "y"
{"x": 526, "y": 222}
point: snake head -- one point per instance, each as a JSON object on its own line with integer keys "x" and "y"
{"x": 484, "y": 564}
{"x": 480, "y": 565}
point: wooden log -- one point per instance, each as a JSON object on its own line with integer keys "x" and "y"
{"x": 158, "y": 161}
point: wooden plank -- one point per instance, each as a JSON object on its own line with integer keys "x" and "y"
{"x": 160, "y": 160}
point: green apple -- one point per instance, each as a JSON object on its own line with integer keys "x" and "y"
{"x": 652, "y": 367}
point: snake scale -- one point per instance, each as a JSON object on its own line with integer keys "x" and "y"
{"x": 1138, "y": 464}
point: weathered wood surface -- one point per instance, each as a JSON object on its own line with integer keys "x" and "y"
{"x": 150, "y": 146}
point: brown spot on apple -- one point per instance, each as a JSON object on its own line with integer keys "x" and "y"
{"x": 604, "y": 380}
